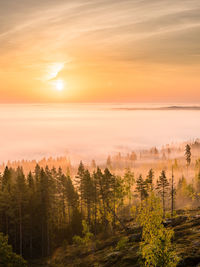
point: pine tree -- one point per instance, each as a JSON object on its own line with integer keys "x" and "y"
{"x": 79, "y": 183}
{"x": 149, "y": 180}
{"x": 118, "y": 197}
{"x": 61, "y": 199}
{"x": 133, "y": 156}
{"x": 172, "y": 193}
{"x": 31, "y": 208}
{"x": 97, "y": 177}
{"x": 188, "y": 154}
{"x": 6, "y": 200}
{"x": 105, "y": 192}
{"x": 6, "y": 179}
{"x": 88, "y": 191}
{"x": 109, "y": 162}
{"x": 141, "y": 188}
{"x": 93, "y": 164}
{"x": 162, "y": 187}
{"x": 45, "y": 208}
{"x": 21, "y": 195}
{"x": 72, "y": 197}
{"x": 128, "y": 184}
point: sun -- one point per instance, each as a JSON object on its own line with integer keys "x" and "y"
{"x": 59, "y": 85}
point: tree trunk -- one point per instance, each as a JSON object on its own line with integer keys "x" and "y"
{"x": 114, "y": 214}
{"x": 31, "y": 237}
{"x": 172, "y": 194}
{"x": 20, "y": 229}
{"x": 163, "y": 198}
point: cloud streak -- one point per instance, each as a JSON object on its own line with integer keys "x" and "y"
{"x": 98, "y": 34}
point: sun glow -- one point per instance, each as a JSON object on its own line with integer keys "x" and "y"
{"x": 53, "y": 70}
{"x": 59, "y": 85}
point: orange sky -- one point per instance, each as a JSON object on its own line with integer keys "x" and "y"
{"x": 100, "y": 51}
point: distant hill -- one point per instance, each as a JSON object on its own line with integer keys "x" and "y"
{"x": 161, "y": 108}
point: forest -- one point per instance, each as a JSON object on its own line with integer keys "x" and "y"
{"x": 47, "y": 208}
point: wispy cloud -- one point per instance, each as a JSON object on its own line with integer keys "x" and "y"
{"x": 36, "y": 33}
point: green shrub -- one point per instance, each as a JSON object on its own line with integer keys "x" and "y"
{"x": 87, "y": 236}
{"x": 7, "y": 257}
{"x": 78, "y": 240}
{"x": 122, "y": 243}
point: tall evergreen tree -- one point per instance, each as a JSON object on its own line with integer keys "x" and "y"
{"x": 149, "y": 180}
{"x": 6, "y": 179}
{"x": 20, "y": 192}
{"x": 79, "y": 183}
{"x": 188, "y": 154}
{"x": 88, "y": 191}
{"x": 162, "y": 187}
{"x": 172, "y": 193}
{"x": 31, "y": 208}
{"x": 97, "y": 178}
{"x": 129, "y": 181}
{"x": 141, "y": 188}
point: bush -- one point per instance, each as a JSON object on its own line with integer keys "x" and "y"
{"x": 78, "y": 240}
{"x": 122, "y": 243}
{"x": 7, "y": 257}
{"x": 87, "y": 236}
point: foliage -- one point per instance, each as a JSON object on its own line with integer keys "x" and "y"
{"x": 7, "y": 257}
{"x": 122, "y": 243}
{"x": 78, "y": 240}
{"x": 188, "y": 154}
{"x": 41, "y": 209}
{"x": 128, "y": 183}
{"x": 162, "y": 188}
{"x": 149, "y": 180}
{"x": 141, "y": 188}
{"x": 38, "y": 211}
{"x": 156, "y": 247}
{"x": 87, "y": 236}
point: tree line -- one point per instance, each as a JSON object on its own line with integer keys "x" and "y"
{"x": 41, "y": 210}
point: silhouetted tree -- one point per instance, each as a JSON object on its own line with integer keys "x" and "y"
{"x": 188, "y": 154}
{"x": 149, "y": 180}
{"x": 162, "y": 187}
{"x": 141, "y": 188}
{"x": 172, "y": 193}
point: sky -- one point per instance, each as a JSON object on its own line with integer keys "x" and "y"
{"x": 99, "y": 51}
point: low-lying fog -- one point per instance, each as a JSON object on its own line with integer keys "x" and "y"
{"x": 89, "y": 131}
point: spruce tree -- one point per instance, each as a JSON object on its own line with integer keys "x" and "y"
{"x": 97, "y": 176}
{"x": 88, "y": 191}
{"x": 31, "y": 208}
{"x": 188, "y": 154}
{"x": 172, "y": 193}
{"x": 6, "y": 179}
{"x": 79, "y": 183}
{"x": 141, "y": 188}
{"x": 149, "y": 180}
{"x": 21, "y": 196}
{"x": 162, "y": 187}
{"x": 129, "y": 181}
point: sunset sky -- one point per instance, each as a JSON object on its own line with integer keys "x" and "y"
{"x": 99, "y": 51}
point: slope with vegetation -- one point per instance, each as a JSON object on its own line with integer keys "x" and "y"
{"x": 85, "y": 217}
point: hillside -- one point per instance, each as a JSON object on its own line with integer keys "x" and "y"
{"x": 186, "y": 226}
